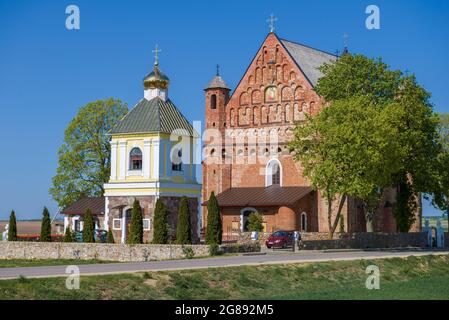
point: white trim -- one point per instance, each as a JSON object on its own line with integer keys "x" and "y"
{"x": 132, "y": 193}
{"x": 146, "y": 158}
{"x": 113, "y": 160}
{"x": 123, "y": 161}
{"x": 156, "y": 160}
{"x": 139, "y": 185}
{"x": 149, "y": 224}
{"x": 113, "y": 224}
{"x": 106, "y": 214}
{"x": 303, "y": 228}
{"x": 268, "y": 174}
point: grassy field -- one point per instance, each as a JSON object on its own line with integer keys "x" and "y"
{"x": 39, "y": 263}
{"x": 424, "y": 277}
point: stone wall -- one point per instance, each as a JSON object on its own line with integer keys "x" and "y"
{"x": 97, "y": 251}
{"x": 369, "y": 240}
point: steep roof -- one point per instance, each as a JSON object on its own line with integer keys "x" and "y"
{"x": 96, "y": 205}
{"x": 261, "y": 196}
{"x": 308, "y": 59}
{"x": 151, "y": 116}
{"x": 217, "y": 82}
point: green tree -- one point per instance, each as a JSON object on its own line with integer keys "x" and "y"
{"x": 12, "y": 231}
{"x": 136, "y": 228}
{"x": 183, "y": 230}
{"x": 214, "y": 229}
{"x": 160, "y": 234}
{"x": 68, "y": 235}
{"x": 110, "y": 237}
{"x": 88, "y": 227}
{"x": 45, "y": 226}
{"x": 349, "y": 149}
{"x": 355, "y": 76}
{"x": 84, "y": 157}
{"x": 255, "y": 222}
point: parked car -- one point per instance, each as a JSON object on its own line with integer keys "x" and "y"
{"x": 99, "y": 236}
{"x": 281, "y": 239}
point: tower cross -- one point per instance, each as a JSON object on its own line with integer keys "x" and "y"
{"x": 218, "y": 69}
{"x": 271, "y": 22}
{"x": 156, "y": 54}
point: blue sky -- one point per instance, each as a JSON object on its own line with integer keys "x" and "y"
{"x": 47, "y": 72}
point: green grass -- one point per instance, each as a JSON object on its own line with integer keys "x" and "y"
{"x": 425, "y": 277}
{"x": 40, "y": 263}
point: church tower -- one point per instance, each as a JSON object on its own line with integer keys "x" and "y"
{"x": 217, "y": 96}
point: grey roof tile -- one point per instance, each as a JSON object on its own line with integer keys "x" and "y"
{"x": 308, "y": 59}
{"x": 217, "y": 82}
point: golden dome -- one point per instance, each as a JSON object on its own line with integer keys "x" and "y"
{"x": 156, "y": 79}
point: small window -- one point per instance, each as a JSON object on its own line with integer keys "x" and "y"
{"x": 212, "y": 152}
{"x": 178, "y": 166}
{"x": 276, "y": 174}
{"x": 213, "y": 101}
{"x": 117, "y": 224}
{"x": 146, "y": 224}
{"x": 135, "y": 159}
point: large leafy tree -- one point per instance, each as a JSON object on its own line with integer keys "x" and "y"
{"x": 45, "y": 226}
{"x": 349, "y": 149}
{"x": 183, "y": 230}
{"x": 84, "y": 157}
{"x": 136, "y": 229}
{"x": 214, "y": 229}
{"x": 357, "y": 77}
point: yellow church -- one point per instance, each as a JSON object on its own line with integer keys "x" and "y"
{"x": 153, "y": 152}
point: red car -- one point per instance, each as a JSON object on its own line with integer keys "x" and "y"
{"x": 280, "y": 239}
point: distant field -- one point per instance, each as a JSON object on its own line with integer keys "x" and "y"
{"x": 433, "y": 221}
{"x": 29, "y": 226}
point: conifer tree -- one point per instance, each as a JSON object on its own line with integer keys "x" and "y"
{"x": 214, "y": 228}
{"x": 45, "y": 226}
{"x": 89, "y": 226}
{"x": 68, "y": 236}
{"x": 184, "y": 232}
{"x": 160, "y": 235}
{"x": 12, "y": 231}
{"x": 255, "y": 222}
{"x": 110, "y": 237}
{"x": 136, "y": 228}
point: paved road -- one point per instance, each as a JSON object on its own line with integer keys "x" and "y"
{"x": 270, "y": 258}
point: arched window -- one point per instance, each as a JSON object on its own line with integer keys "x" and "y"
{"x": 177, "y": 165}
{"x": 135, "y": 159}
{"x": 303, "y": 222}
{"x": 273, "y": 173}
{"x": 213, "y": 101}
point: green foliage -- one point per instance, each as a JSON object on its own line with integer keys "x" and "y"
{"x": 110, "y": 237}
{"x": 12, "y": 231}
{"x": 342, "y": 224}
{"x": 160, "y": 235}
{"x": 405, "y": 207}
{"x": 69, "y": 236}
{"x": 214, "y": 249}
{"x": 214, "y": 229}
{"x": 84, "y": 157}
{"x": 136, "y": 228}
{"x": 88, "y": 227}
{"x": 188, "y": 252}
{"x": 184, "y": 232}
{"x": 255, "y": 221}
{"x": 46, "y": 226}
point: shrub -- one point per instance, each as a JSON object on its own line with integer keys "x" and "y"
{"x": 160, "y": 235}
{"x": 136, "y": 228}
{"x": 184, "y": 232}
{"x": 188, "y": 252}
{"x": 255, "y": 221}
{"x": 69, "y": 236}
{"x": 110, "y": 237}
{"x": 88, "y": 229}
{"x": 214, "y": 229}
{"x": 12, "y": 232}
{"x": 214, "y": 249}
{"x": 45, "y": 226}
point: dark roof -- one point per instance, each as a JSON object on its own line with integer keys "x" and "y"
{"x": 96, "y": 205}
{"x": 261, "y": 196}
{"x": 308, "y": 59}
{"x": 155, "y": 115}
{"x": 217, "y": 82}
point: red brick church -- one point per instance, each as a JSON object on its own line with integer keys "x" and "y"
{"x": 246, "y": 159}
